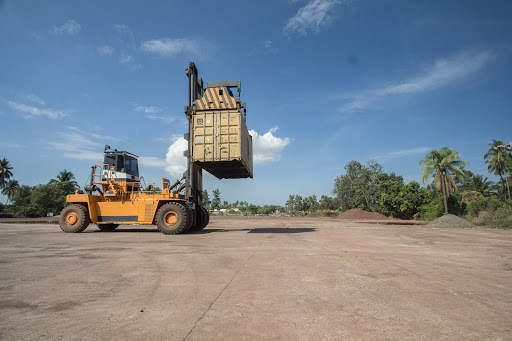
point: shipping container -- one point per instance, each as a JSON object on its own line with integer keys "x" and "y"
{"x": 221, "y": 144}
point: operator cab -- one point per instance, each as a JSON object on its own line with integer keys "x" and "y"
{"x": 125, "y": 165}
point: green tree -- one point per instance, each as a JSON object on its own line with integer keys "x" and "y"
{"x": 327, "y": 203}
{"x": 497, "y": 159}
{"x": 477, "y": 186}
{"x": 252, "y": 209}
{"x": 5, "y": 172}
{"x": 206, "y": 199}
{"x": 443, "y": 165}
{"x": 295, "y": 204}
{"x": 358, "y": 187}
{"x": 412, "y": 197}
{"x": 216, "y": 199}
{"x": 40, "y": 200}
{"x": 388, "y": 188}
{"x": 9, "y": 189}
{"x": 290, "y": 203}
{"x": 310, "y": 204}
{"x": 65, "y": 176}
{"x": 20, "y": 201}
{"x": 269, "y": 209}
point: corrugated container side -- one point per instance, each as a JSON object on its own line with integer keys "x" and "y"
{"x": 222, "y": 145}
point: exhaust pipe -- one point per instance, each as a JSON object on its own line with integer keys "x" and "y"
{"x": 182, "y": 187}
{"x": 174, "y": 185}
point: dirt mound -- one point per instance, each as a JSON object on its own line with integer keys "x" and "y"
{"x": 359, "y": 214}
{"x": 451, "y": 221}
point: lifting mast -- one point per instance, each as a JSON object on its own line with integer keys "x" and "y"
{"x": 194, "y": 174}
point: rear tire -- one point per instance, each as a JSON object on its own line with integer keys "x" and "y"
{"x": 173, "y": 218}
{"x": 74, "y": 218}
{"x": 107, "y": 227}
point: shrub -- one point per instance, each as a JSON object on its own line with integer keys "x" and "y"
{"x": 494, "y": 214}
{"x": 483, "y": 204}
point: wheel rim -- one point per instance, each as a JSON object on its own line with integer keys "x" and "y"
{"x": 71, "y": 218}
{"x": 171, "y": 218}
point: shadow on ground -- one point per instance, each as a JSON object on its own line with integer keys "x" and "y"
{"x": 261, "y": 230}
{"x": 206, "y": 231}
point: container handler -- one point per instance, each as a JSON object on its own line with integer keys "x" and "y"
{"x": 218, "y": 141}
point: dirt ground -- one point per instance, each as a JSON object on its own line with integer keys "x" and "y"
{"x": 257, "y": 278}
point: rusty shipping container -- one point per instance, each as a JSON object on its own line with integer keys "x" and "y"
{"x": 221, "y": 143}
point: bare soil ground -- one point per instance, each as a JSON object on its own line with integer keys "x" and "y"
{"x": 256, "y": 278}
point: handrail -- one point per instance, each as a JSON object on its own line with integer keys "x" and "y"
{"x": 136, "y": 187}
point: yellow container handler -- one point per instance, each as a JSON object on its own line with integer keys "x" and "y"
{"x": 218, "y": 142}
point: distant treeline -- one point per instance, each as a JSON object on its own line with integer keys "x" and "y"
{"x": 449, "y": 188}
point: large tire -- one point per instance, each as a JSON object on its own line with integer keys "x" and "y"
{"x": 107, "y": 227}
{"x": 206, "y": 216}
{"x": 205, "y": 219}
{"x": 74, "y": 218}
{"x": 173, "y": 218}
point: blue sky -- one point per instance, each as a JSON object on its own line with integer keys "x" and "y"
{"x": 325, "y": 81}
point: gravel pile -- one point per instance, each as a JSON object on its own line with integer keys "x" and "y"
{"x": 359, "y": 214}
{"x": 451, "y": 221}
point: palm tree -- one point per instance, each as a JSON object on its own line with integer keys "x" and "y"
{"x": 9, "y": 189}
{"x": 478, "y": 186}
{"x": 5, "y": 172}
{"x": 65, "y": 176}
{"x": 497, "y": 161}
{"x": 443, "y": 164}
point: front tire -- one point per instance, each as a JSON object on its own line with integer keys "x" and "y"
{"x": 107, "y": 227}
{"x": 205, "y": 219}
{"x": 173, "y": 218}
{"x": 74, "y": 218}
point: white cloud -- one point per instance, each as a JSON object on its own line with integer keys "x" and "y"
{"x": 166, "y": 119}
{"x": 167, "y": 47}
{"x": 312, "y": 17}
{"x": 84, "y": 155}
{"x": 268, "y": 48}
{"x": 69, "y": 27}
{"x": 78, "y": 144}
{"x": 125, "y": 46}
{"x": 72, "y": 140}
{"x": 152, "y": 111}
{"x": 442, "y": 72}
{"x": 125, "y": 59}
{"x": 147, "y": 110}
{"x": 151, "y": 161}
{"x": 94, "y": 135}
{"x": 403, "y": 153}
{"x": 35, "y": 99}
{"x": 267, "y": 147}
{"x": 176, "y": 162}
{"x": 105, "y": 50}
{"x": 32, "y": 111}
{"x": 169, "y": 139}
{"x": 10, "y": 145}
{"x": 438, "y": 74}
{"x": 125, "y": 35}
